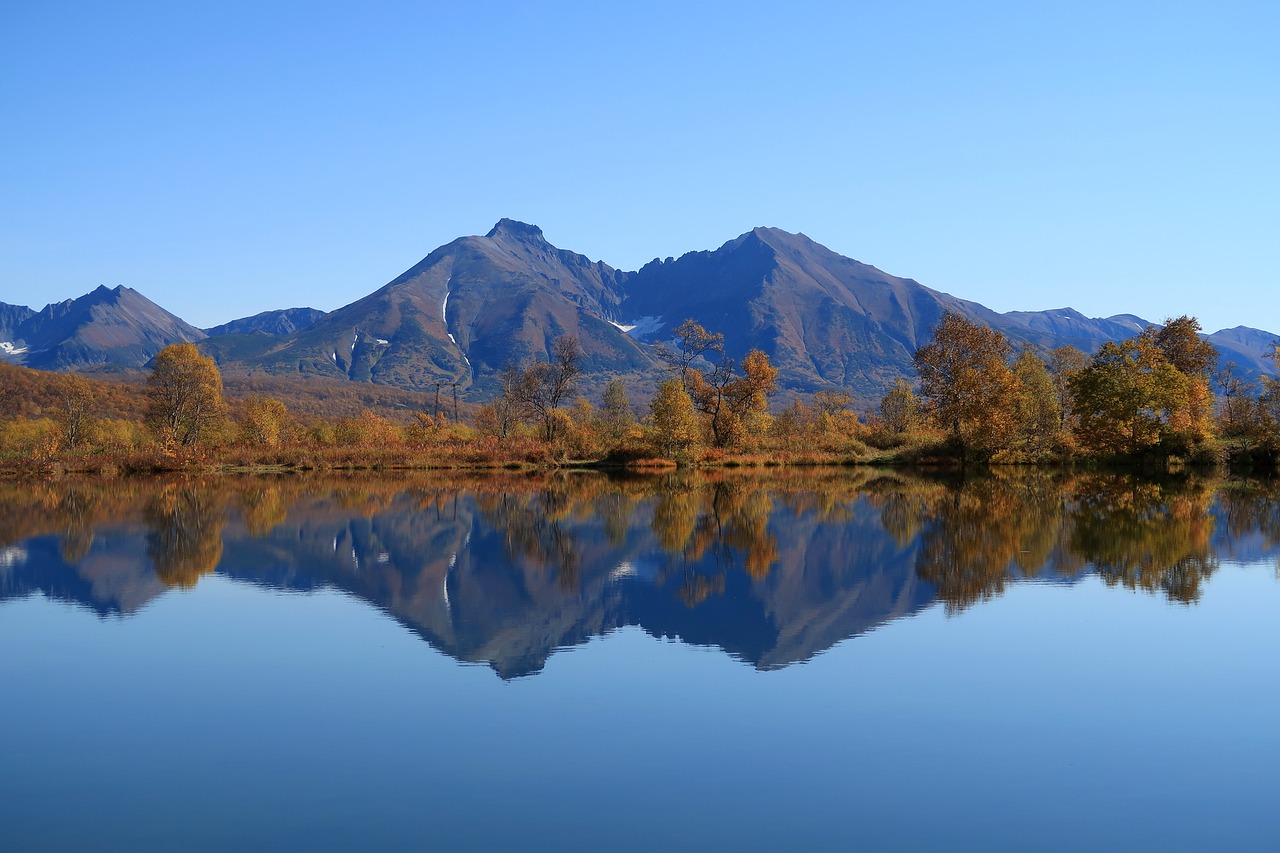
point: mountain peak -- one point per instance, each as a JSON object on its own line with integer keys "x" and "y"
{"x": 517, "y": 230}
{"x": 102, "y": 293}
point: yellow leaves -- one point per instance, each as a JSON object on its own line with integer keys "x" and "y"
{"x": 264, "y": 421}
{"x": 367, "y": 430}
{"x": 970, "y": 389}
{"x": 675, "y": 423}
{"x": 1132, "y": 398}
{"x": 185, "y": 395}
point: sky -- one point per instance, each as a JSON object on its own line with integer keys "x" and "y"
{"x": 228, "y": 158}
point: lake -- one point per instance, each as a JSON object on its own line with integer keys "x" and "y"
{"x": 819, "y": 659}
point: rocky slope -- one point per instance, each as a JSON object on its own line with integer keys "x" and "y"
{"x": 480, "y": 303}
{"x": 104, "y": 329}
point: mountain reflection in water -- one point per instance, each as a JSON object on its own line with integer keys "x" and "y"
{"x": 504, "y": 569}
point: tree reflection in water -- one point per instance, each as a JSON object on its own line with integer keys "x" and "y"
{"x": 1152, "y": 536}
{"x": 977, "y": 533}
{"x": 505, "y": 567}
{"x": 185, "y": 541}
{"x": 709, "y": 527}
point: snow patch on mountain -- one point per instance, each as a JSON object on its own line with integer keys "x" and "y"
{"x": 641, "y": 327}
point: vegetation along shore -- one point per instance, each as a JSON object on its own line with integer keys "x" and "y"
{"x": 1156, "y": 399}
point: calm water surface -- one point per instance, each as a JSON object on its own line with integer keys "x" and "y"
{"x": 823, "y": 661}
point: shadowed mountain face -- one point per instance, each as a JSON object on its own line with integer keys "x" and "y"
{"x": 826, "y": 321}
{"x": 460, "y": 315}
{"x": 505, "y": 570}
{"x": 108, "y": 328}
{"x": 284, "y": 321}
{"x": 12, "y": 317}
{"x": 477, "y": 304}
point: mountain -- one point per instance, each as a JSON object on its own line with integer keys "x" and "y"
{"x": 826, "y": 321}
{"x": 283, "y": 321}
{"x": 11, "y": 319}
{"x": 1250, "y": 349}
{"x": 106, "y": 329}
{"x": 459, "y": 315}
{"x": 479, "y": 303}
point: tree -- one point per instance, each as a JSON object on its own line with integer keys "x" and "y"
{"x": 1039, "y": 417}
{"x": 544, "y": 385}
{"x": 832, "y": 402}
{"x": 1064, "y": 363}
{"x": 1242, "y": 415}
{"x": 1132, "y": 399}
{"x": 1183, "y": 347}
{"x": 968, "y": 384}
{"x": 184, "y": 394}
{"x": 675, "y": 422}
{"x": 723, "y": 397}
{"x": 616, "y": 415}
{"x": 900, "y": 408}
{"x": 264, "y": 421}
{"x": 501, "y": 416}
{"x": 692, "y": 343}
{"x": 74, "y": 407}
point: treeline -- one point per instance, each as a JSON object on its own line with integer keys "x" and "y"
{"x": 1156, "y": 397}
{"x": 1148, "y": 398}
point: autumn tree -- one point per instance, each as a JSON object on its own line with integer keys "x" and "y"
{"x": 1039, "y": 417}
{"x": 264, "y": 421}
{"x": 717, "y": 391}
{"x": 500, "y": 417}
{"x": 692, "y": 343}
{"x": 965, "y": 377}
{"x": 675, "y": 422}
{"x": 1179, "y": 339}
{"x": 544, "y": 385}
{"x": 1064, "y": 363}
{"x": 1269, "y": 400}
{"x": 74, "y": 409}
{"x": 615, "y": 415}
{"x": 184, "y": 392}
{"x": 1133, "y": 399}
{"x": 727, "y": 400}
{"x": 1243, "y": 415}
{"x": 367, "y": 430}
{"x": 900, "y": 408}
{"x": 1195, "y": 358}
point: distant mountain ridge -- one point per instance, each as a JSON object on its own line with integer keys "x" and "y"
{"x": 479, "y": 303}
{"x": 284, "y": 321}
{"x": 106, "y": 328}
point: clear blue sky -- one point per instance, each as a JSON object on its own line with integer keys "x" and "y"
{"x": 226, "y": 158}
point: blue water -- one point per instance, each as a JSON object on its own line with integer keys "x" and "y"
{"x": 831, "y": 702}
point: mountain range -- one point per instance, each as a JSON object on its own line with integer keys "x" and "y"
{"x": 477, "y": 304}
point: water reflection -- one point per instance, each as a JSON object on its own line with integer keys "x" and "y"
{"x": 505, "y": 569}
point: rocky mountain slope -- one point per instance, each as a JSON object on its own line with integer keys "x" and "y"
{"x": 107, "y": 328}
{"x": 284, "y": 321}
{"x": 459, "y": 315}
{"x": 477, "y": 304}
